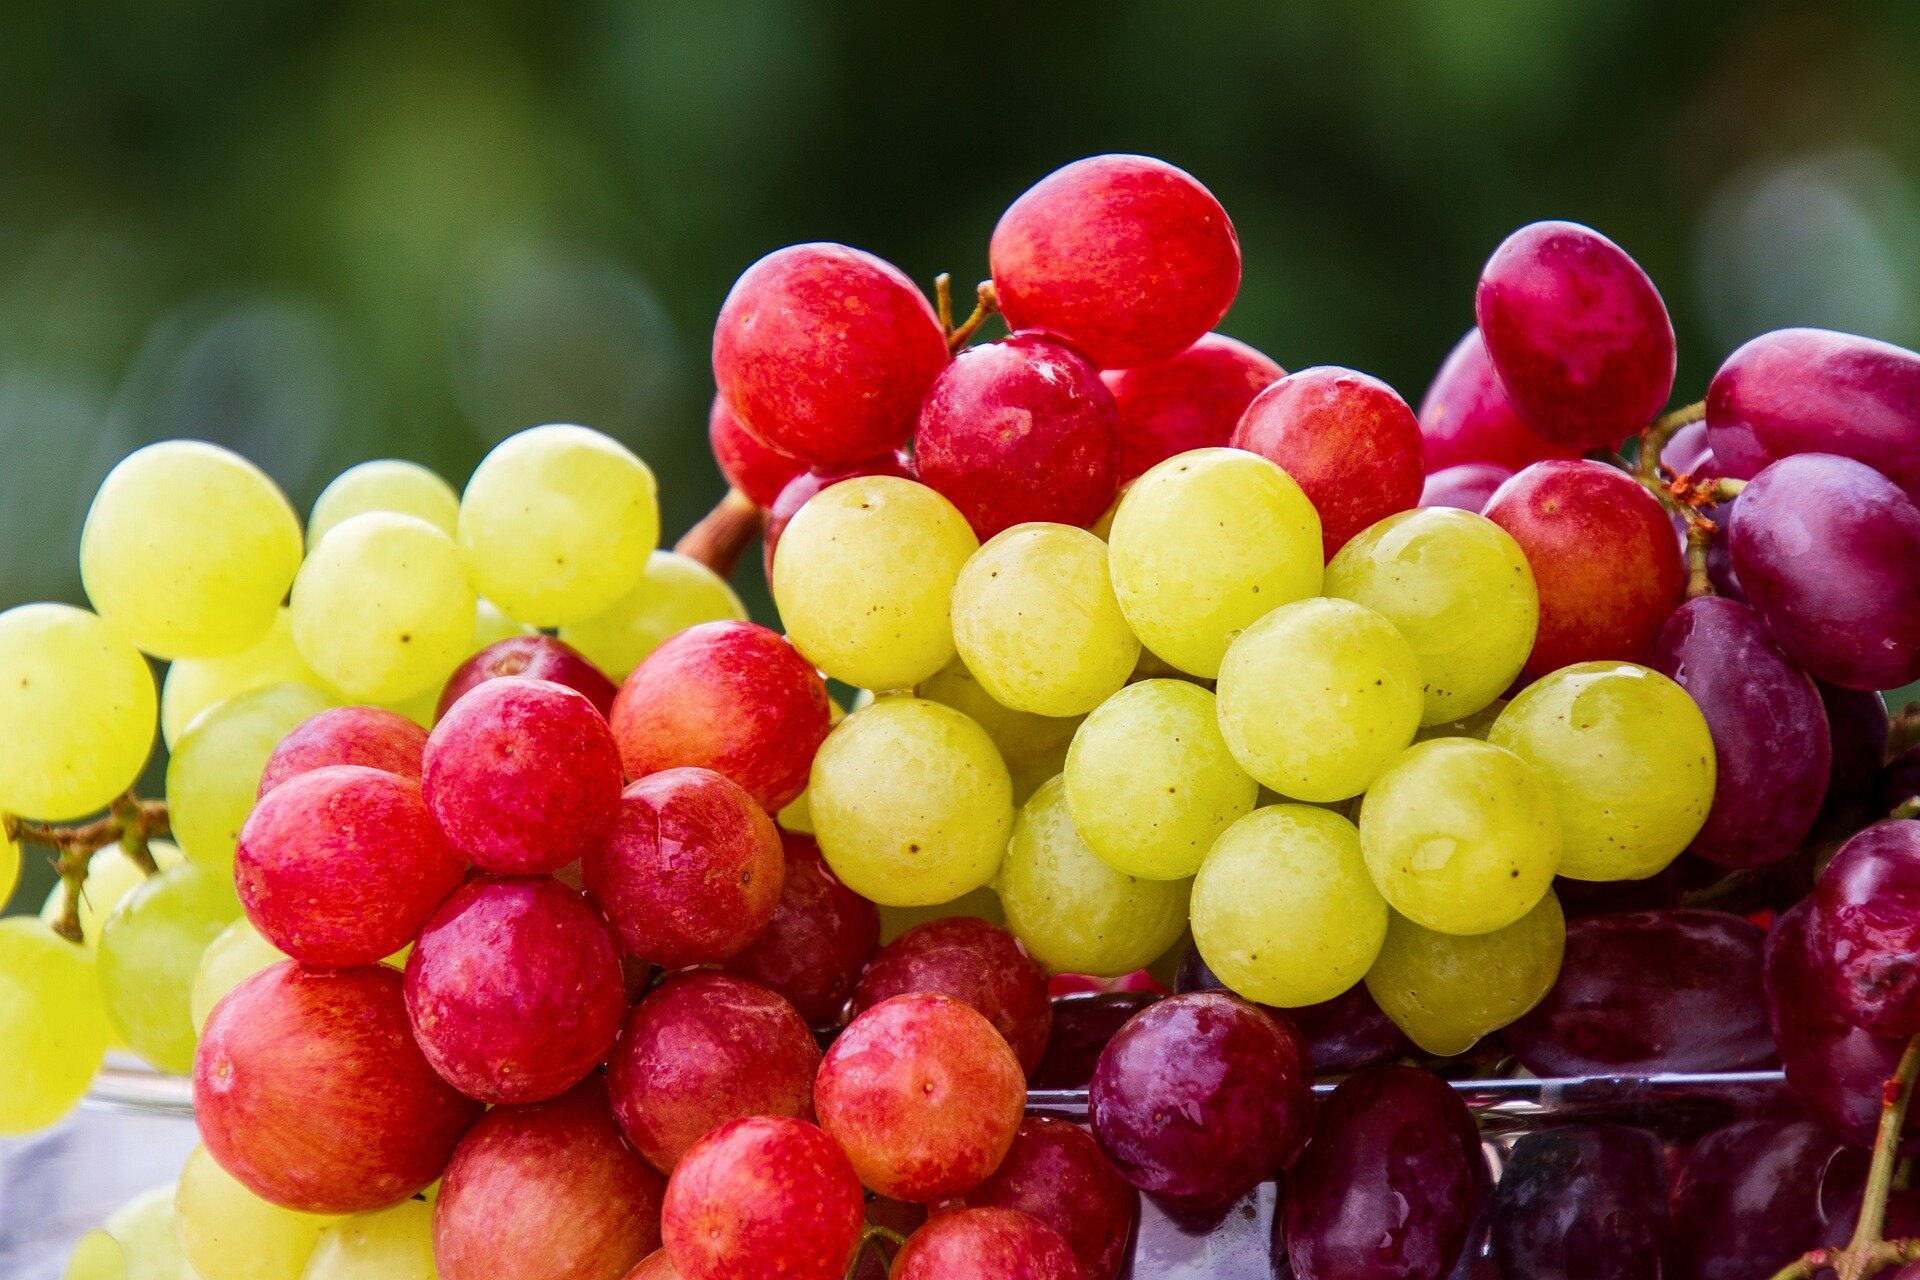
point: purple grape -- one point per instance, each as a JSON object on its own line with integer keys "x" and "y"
{"x": 1651, "y": 992}
{"x": 1857, "y": 727}
{"x": 1749, "y": 1196}
{"x": 1865, "y": 935}
{"x": 1826, "y": 550}
{"x": 1582, "y": 898}
{"x": 1581, "y": 1202}
{"x": 1390, "y": 1185}
{"x": 1082, "y": 1026}
{"x": 1467, "y": 486}
{"x": 1343, "y": 1034}
{"x": 1687, "y": 452}
{"x": 1769, "y": 730}
{"x": 1200, "y": 1097}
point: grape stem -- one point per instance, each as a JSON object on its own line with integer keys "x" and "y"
{"x": 986, "y": 303}
{"x": 1904, "y": 733}
{"x": 870, "y": 1237}
{"x": 1654, "y": 439}
{"x": 129, "y": 822}
{"x": 724, "y": 533}
{"x": 1908, "y": 808}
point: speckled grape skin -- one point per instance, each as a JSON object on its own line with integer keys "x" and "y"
{"x": 763, "y": 1197}
{"x": 370, "y": 736}
{"x": 976, "y": 963}
{"x": 704, "y": 1049}
{"x": 1465, "y": 417}
{"x": 985, "y": 1244}
{"x": 522, "y": 1170}
{"x": 813, "y": 949}
{"x": 536, "y": 657}
{"x": 514, "y": 989}
{"x": 797, "y": 491}
{"x": 752, "y": 466}
{"x": 1191, "y": 400}
{"x": 1055, "y": 1173}
{"x": 692, "y": 871}
{"x": 1865, "y": 932}
{"x": 310, "y": 1090}
{"x": 1468, "y": 486}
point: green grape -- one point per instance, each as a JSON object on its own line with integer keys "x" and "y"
{"x": 491, "y": 625}
{"x": 111, "y": 876}
{"x": 1460, "y": 836}
{"x": 675, "y": 592}
{"x": 9, "y": 866}
{"x": 1457, "y": 586}
{"x": 864, "y": 580}
{"x": 1150, "y": 781}
{"x": 98, "y": 1256}
{"x": 144, "y": 1228}
{"x": 798, "y": 815}
{"x": 1205, "y": 543}
{"x": 382, "y": 609}
{"x": 188, "y": 550}
{"x": 228, "y": 1233}
{"x": 911, "y": 803}
{"x": 393, "y": 1244}
{"x": 76, "y": 712}
{"x": 1627, "y": 758}
{"x": 978, "y": 904}
{"x": 1478, "y": 725}
{"x": 1035, "y": 620}
{"x": 235, "y": 955}
{"x": 1318, "y": 697}
{"x": 51, "y": 1022}
{"x": 194, "y": 684}
{"x": 1028, "y": 743}
{"x": 1283, "y": 911}
{"x": 1446, "y": 991}
{"x": 150, "y": 950}
{"x": 1073, "y": 912}
{"x": 214, "y": 774}
{"x": 384, "y": 485}
{"x": 557, "y": 524}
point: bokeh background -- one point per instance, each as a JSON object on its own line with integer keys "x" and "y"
{"x": 320, "y": 231}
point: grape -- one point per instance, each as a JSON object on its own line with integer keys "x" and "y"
{"x": 188, "y": 550}
{"x": 752, "y": 467}
{"x": 52, "y": 1022}
{"x": 1318, "y": 697}
{"x": 864, "y": 580}
{"x": 767, "y": 1196}
{"x": 1825, "y": 549}
{"x": 1126, "y": 257}
{"x": 1468, "y": 486}
{"x": 150, "y": 949}
{"x": 9, "y": 865}
{"x": 976, "y": 904}
{"x": 369, "y": 736}
{"x": 97, "y": 1256}
{"x": 214, "y": 774}
{"x": 1770, "y": 736}
{"x": 1857, "y": 728}
{"x": 1578, "y": 336}
{"x": 1753, "y": 1192}
{"x": 1627, "y": 758}
{"x": 1055, "y": 1173}
{"x": 1349, "y": 440}
{"x": 812, "y": 950}
{"x": 228, "y": 1233}
{"x": 1033, "y": 747}
{"x": 923, "y": 1095}
{"x": 1604, "y": 559}
{"x": 1036, "y": 622}
{"x": 985, "y": 1244}
{"x": 655, "y": 1266}
{"x": 76, "y": 712}
{"x": 692, "y": 871}
{"x": 384, "y": 485}
{"x": 1073, "y": 911}
{"x": 1446, "y": 991}
{"x": 1583, "y": 1201}
{"x": 801, "y": 489}
{"x": 1865, "y": 929}
{"x": 704, "y": 1049}
{"x": 1458, "y": 588}
{"x": 1200, "y": 1097}
{"x": 393, "y": 1244}
{"x": 557, "y": 524}
{"x": 382, "y": 609}
{"x": 192, "y": 685}
{"x": 143, "y": 1226}
{"x": 1283, "y": 911}
{"x": 1083, "y": 1025}
{"x": 1205, "y": 543}
{"x": 1466, "y": 418}
{"x": 111, "y": 876}
{"x": 535, "y": 657}
{"x": 1342, "y": 1034}
{"x": 978, "y": 964}
{"x": 675, "y": 592}
{"x": 911, "y": 803}
{"x": 1651, "y": 993}
{"x": 236, "y": 954}
{"x": 1190, "y": 400}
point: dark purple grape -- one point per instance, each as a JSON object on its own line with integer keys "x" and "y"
{"x": 1902, "y": 1220}
{"x": 1651, "y": 992}
{"x": 1865, "y": 935}
{"x": 1467, "y": 486}
{"x": 1343, "y": 1034}
{"x": 1581, "y": 1203}
{"x": 1749, "y": 1197}
{"x": 1200, "y": 1097}
{"x": 1857, "y": 726}
{"x": 1390, "y": 1185}
{"x": 1826, "y": 550}
{"x": 1769, "y": 729}
{"x": 1581, "y": 898}
{"x": 1082, "y": 1025}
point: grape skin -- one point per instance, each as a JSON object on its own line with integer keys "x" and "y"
{"x": 1447, "y": 990}
{"x": 235, "y": 955}
{"x": 387, "y": 484}
{"x": 51, "y": 1021}
{"x": 144, "y": 1228}
{"x": 228, "y": 1233}
{"x": 194, "y": 684}
{"x": 1033, "y": 747}
{"x": 150, "y": 949}
{"x": 673, "y": 594}
{"x": 214, "y": 774}
{"x": 97, "y": 1256}
{"x": 391, "y": 1244}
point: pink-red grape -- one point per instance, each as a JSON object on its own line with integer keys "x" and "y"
{"x": 985, "y": 1244}
{"x": 370, "y": 736}
{"x": 766, "y": 1196}
{"x": 1468, "y": 485}
{"x": 1466, "y": 416}
{"x": 753, "y": 467}
{"x": 1865, "y": 931}
{"x": 975, "y": 962}
{"x": 821, "y": 934}
{"x": 537, "y": 657}
{"x": 1055, "y": 1173}
{"x": 1191, "y": 400}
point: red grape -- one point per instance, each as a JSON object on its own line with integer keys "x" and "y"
{"x": 1342, "y": 1034}
{"x": 342, "y": 865}
{"x": 1865, "y": 932}
{"x": 1192, "y": 400}
{"x": 754, "y": 468}
{"x": 1578, "y": 335}
{"x": 1752, "y": 1194}
{"x": 825, "y": 352}
{"x": 655, "y": 1266}
{"x": 1083, "y": 1023}
{"x": 310, "y": 1090}
{"x": 537, "y": 657}
{"x": 975, "y": 962}
{"x": 803, "y": 486}
{"x": 370, "y": 736}
{"x": 1583, "y": 1201}
{"x": 819, "y": 938}
{"x": 1466, "y": 416}
{"x": 514, "y": 989}
{"x": 1055, "y": 1173}
{"x": 985, "y": 1244}
{"x": 1467, "y": 486}
{"x": 766, "y": 1196}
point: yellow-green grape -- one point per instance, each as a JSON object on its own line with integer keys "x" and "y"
{"x": 384, "y": 485}
{"x": 1205, "y": 543}
{"x": 491, "y": 625}
{"x": 393, "y": 1244}
{"x": 1073, "y": 912}
{"x": 911, "y": 802}
{"x": 150, "y": 950}
{"x": 1457, "y": 586}
{"x": 1033, "y": 747}
{"x": 675, "y": 592}
{"x": 144, "y": 1228}
{"x": 1318, "y": 697}
{"x": 557, "y": 524}
{"x": 51, "y": 1023}
{"x": 98, "y": 1256}
{"x": 111, "y": 876}
{"x": 1478, "y": 725}
{"x": 1627, "y": 758}
{"x": 1283, "y": 910}
{"x": 188, "y": 550}
{"x": 798, "y": 815}
{"x": 9, "y": 866}
{"x": 1446, "y": 991}
{"x": 228, "y": 1233}
{"x": 382, "y": 609}
{"x": 76, "y": 712}
{"x": 1150, "y": 781}
{"x": 1035, "y": 620}
{"x": 194, "y": 684}
{"x": 235, "y": 955}
{"x": 213, "y": 776}
{"x": 976, "y": 904}
{"x": 864, "y": 580}
{"x": 1460, "y": 836}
